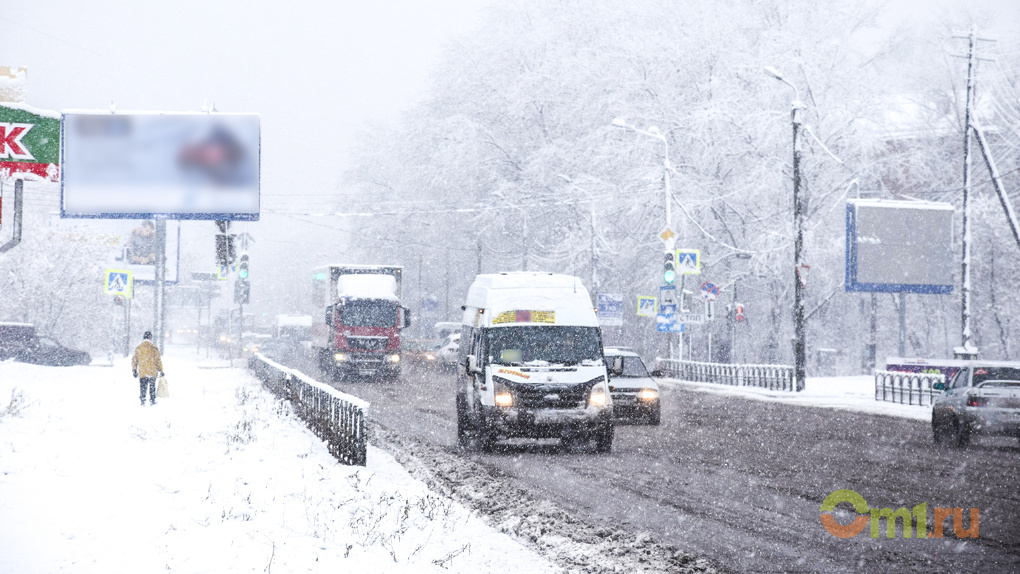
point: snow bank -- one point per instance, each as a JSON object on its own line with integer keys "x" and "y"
{"x": 849, "y": 393}
{"x": 220, "y": 477}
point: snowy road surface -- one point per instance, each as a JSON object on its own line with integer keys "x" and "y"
{"x": 741, "y": 481}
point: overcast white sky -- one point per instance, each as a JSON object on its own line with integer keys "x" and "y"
{"x": 315, "y": 70}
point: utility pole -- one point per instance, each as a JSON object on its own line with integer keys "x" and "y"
{"x": 965, "y": 307}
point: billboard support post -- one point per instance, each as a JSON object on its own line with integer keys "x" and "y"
{"x": 159, "y": 285}
{"x": 18, "y": 208}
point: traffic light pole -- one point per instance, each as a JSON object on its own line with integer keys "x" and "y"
{"x": 158, "y": 305}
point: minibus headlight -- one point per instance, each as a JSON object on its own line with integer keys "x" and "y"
{"x": 394, "y": 358}
{"x": 340, "y": 357}
{"x": 501, "y": 393}
{"x": 599, "y": 395}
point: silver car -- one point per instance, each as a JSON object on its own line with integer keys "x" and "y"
{"x": 635, "y": 393}
{"x": 978, "y": 400}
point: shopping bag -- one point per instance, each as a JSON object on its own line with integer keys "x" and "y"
{"x": 162, "y": 390}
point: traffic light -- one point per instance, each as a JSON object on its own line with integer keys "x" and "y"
{"x": 242, "y": 267}
{"x": 669, "y": 268}
{"x": 225, "y": 250}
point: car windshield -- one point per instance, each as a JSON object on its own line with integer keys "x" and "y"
{"x": 368, "y": 313}
{"x": 632, "y": 367}
{"x": 994, "y": 375}
{"x": 546, "y": 344}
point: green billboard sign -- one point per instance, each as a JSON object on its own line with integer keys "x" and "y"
{"x": 29, "y": 142}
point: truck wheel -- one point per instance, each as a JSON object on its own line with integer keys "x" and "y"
{"x": 604, "y": 440}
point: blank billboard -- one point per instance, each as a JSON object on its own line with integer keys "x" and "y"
{"x": 899, "y": 246}
{"x": 175, "y": 166}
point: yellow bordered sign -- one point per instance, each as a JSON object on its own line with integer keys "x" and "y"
{"x": 119, "y": 282}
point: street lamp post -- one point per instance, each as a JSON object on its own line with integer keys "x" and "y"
{"x": 653, "y": 132}
{"x": 799, "y": 345}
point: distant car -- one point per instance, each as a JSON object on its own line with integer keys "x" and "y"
{"x": 447, "y": 354}
{"x": 635, "y": 393}
{"x": 16, "y": 339}
{"x": 420, "y": 353}
{"x": 47, "y": 351}
{"x": 978, "y": 400}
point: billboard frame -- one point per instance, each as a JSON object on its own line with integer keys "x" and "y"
{"x": 178, "y": 216}
{"x": 854, "y": 286}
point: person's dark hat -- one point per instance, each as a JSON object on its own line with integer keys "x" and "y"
{"x": 147, "y": 335}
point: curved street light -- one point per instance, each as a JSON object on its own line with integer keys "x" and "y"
{"x": 799, "y": 344}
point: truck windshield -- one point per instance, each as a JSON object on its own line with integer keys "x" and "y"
{"x": 553, "y": 345}
{"x": 368, "y": 313}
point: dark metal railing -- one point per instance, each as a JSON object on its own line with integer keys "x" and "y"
{"x": 335, "y": 417}
{"x": 772, "y": 377}
{"x": 907, "y": 388}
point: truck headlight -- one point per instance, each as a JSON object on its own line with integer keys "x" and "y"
{"x": 340, "y": 357}
{"x": 648, "y": 394}
{"x": 394, "y": 358}
{"x": 599, "y": 395}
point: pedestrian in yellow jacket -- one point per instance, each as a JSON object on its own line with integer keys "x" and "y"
{"x": 146, "y": 364}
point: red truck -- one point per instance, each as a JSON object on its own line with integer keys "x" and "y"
{"x": 357, "y": 319}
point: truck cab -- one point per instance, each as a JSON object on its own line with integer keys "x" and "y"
{"x": 358, "y": 333}
{"x": 531, "y": 363}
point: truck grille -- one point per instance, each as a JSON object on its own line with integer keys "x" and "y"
{"x": 367, "y": 343}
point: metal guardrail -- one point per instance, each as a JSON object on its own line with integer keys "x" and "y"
{"x": 772, "y": 377}
{"x": 335, "y": 417}
{"x": 907, "y": 388}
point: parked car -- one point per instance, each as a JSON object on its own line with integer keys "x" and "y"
{"x": 420, "y": 354}
{"x": 16, "y": 339}
{"x": 635, "y": 393}
{"x": 447, "y": 354}
{"x": 978, "y": 400}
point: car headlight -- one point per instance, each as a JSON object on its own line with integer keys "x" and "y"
{"x": 648, "y": 394}
{"x": 599, "y": 394}
{"x": 394, "y": 358}
{"x": 502, "y": 395}
{"x": 430, "y": 357}
{"x": 340, "y": 357}
{"x": 254, "y": 349}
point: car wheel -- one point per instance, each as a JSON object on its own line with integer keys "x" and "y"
{"x": 655, "y": 416}
{"x": 961, "y": 433}
{"x": 604, "y": 440}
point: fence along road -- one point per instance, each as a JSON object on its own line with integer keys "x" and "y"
{"x": 772, "y": 377}
{"x": 907, "y": 388}
{"x": 335, "y": 417}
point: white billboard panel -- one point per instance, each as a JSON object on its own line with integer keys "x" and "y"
{"x": 176, "y": 166}
{"x": 899, "y": 246}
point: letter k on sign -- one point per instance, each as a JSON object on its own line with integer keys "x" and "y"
{"x": 11, "y": 146}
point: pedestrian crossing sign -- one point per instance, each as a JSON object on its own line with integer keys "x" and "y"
{"x": 119, "y": 282}
{"x": 688, "y": 261}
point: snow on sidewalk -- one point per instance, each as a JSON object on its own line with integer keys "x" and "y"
{"x": 220, "y": 477}
{"x": 849, "y": 393}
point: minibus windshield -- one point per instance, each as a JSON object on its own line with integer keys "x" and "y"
{"x": 545, "y": 344}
